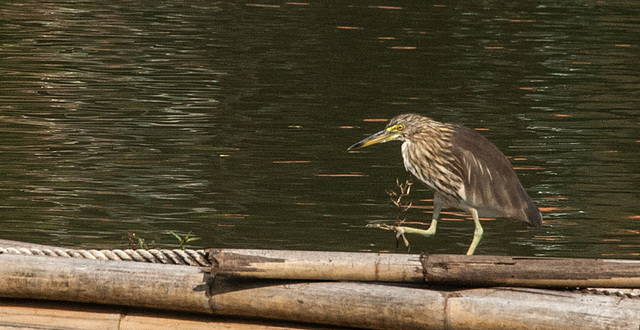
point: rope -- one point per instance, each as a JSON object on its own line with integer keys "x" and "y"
{"x": 172, "y": 257}
{"x": 622, "y": 293}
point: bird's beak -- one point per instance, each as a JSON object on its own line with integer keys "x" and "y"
{"x": 380, "y": 137}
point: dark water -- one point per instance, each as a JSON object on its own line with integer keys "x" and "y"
{"x": 232, "y": 119}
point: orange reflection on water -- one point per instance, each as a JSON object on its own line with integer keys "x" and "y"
{"x": 620, "y": 254}
{"x": 341, "y": 175}
{"x": 291, "y": 161}
{"x": 555, "y": 198}
{"x": 386, "y": 7}
{"x": 625, "y": 232}
{"x": 550, "y": 209}
{"x": 528, "y": 168}
{"x": 422, "y": 207}
{"x": 551, "y": 239}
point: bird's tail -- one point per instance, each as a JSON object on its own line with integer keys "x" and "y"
{"x": 532, "y": 214}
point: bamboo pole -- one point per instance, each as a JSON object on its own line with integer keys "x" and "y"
{"x": 447, "y": 269}
{"x": 317, "y": 265}
{"x": 534, "y": 272}
{"x": 522, "y": 308}
{"x": 105, "y": 282}
{"x": 41, "y": 314}
{"x": 377, "y": 306}
{"x": 344, "y": 304}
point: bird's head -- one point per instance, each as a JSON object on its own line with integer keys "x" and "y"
{"x": 399, "y": 128}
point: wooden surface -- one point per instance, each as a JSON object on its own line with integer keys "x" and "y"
{"x": 440, "y": 269}
{"x": 34, "y": 314}
{"x": 346, "y": 304}
{"x": 317, "y": 265}
{"x": 532, "y": 272}
{"x": 335, "y": 303}
{"x": 104, "y": 281}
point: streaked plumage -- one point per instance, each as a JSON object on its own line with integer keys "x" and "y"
{"x": 462, "y": 167}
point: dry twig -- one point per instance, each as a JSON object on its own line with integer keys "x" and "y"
{"x": 396, "y": 197}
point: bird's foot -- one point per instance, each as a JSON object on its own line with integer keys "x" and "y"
{"x": 400, "y": 231}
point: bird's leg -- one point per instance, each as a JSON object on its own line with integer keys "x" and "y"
{"x": 434, "y": 219}
{"x": 401, "y": 230}
{"x": 477, "y": 233}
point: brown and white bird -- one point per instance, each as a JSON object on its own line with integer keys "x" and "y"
{"x": 462, "y": 167}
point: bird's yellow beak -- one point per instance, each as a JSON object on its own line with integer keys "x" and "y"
{"x": 383, "y": 136}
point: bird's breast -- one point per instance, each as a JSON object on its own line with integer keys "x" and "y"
{"x": 431, "y": 169}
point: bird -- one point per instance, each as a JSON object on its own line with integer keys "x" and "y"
{"x": 463, "y": 168}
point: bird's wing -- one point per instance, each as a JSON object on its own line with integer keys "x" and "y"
{"x": 491, "y": 185}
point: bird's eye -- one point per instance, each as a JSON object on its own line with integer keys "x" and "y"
{"x": 400, "y": 127}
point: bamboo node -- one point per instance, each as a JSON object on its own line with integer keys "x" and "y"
{"x": 423, "y": 261}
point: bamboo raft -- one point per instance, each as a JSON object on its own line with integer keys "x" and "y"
{"x": 237, "y": 289}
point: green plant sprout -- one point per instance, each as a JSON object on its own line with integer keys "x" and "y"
{"x": 183, "y": 240}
